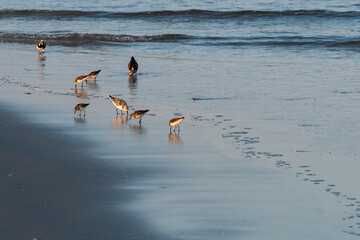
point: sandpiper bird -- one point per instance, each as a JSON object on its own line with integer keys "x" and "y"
{"x": 41, "y": 46}
{"x": 133, "y": 66}
{"x": 80, "y": 107}
{"x": 175, "y": 123}
{"x": 81, "y": 79}
{"x": 138, "y": 114}
{"x": 93, "y": 74}
{"x": 120, "y": 104}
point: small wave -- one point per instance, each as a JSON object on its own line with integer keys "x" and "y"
{"x": 192, "y": 13}
{"x": 296, "y": 41}
{"x": 77, "y": 39}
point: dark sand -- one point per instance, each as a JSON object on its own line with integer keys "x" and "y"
{"x": 53, "y": 190}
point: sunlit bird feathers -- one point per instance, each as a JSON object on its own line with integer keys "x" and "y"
{"x": 175, "y": 122}
{"x": 80, "y": 107}
{"x": 133, "y": 66}
{"x": 93, "y": 74}
{"x": 138, "y": 114}
{"x": 41, "y": 46}
{"x": 120, "y": 104}
{"x": 82, "y": 78}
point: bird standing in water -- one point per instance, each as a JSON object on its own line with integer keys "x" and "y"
{"x": 81, "y": 79}
{"x": 93, "y": 74}
{"x": 120, "y": 104}
{"x": 138, "y": 114}
{"x": 81, "y": 107}
{"x": 133, "y": 66}
{"x": 41, "y": 46}
{"x": 175, "y": 123}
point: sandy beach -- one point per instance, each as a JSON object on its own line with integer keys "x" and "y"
{"x": 268, "y": 148}
{"x": 104, "y": 177}
{"x": 52, "y": 189}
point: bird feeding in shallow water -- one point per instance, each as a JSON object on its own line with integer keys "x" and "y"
{"x": 93, "y": 75}
{"x": 133, "y": 66}
{"x": 120, "y": 104}
{"x": 81, "y": 107}
{"x": 138, "y": 114}
{"x": 175, "y": 123}
{"x": 81, "y": 79}
{"x": 41, "y": 46}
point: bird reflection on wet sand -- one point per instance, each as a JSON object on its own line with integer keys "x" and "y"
{"x": 91, "y": 84}
{"x": 132, "y": 81}
{"x": 79, "y": 119}
{"x": 137, "y": 129}
{"x": 81, "y": 93}
{"x": 174, "y": 137}
{"x": 120, "y": 120}
{"x": 41, "y": 58}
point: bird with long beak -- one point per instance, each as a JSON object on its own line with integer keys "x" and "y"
{"x": 175, "y": 123}
{"x": 41, "y": 46}
{"x": 120, "y": 104}
{"x": 133, "y": 66}
{"x": 138, "y": 114}
{"x": 81, "y": 107}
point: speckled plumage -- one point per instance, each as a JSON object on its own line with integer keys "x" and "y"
{"x": 120, "y": 104}
{"x": 80, "y": 107}
{"x": 138, "y": 114}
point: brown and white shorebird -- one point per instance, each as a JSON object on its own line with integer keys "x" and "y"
{"x": 81, "y": 79}
{"x": 41, "y": 46}
{"x": 93, "y": 74}
{"x": 133, "y": 66}
{"x": 120, "y": 104}
{"x": 81, "y": 107}
{"x": 138, "y": 114}
{"x": 175, "y": 123}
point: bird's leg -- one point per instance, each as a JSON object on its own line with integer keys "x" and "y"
{"x": 117, "y": 112}
{"x": 84, "y": 113}
{"x": 140, "y": 121}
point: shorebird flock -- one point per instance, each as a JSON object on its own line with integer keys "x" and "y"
{"x": 119, "y": 103}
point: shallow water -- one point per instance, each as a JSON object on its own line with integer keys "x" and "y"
{"x": 276, "y": 89}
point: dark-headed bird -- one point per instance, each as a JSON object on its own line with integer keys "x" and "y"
{"x": 80, "y": 107}
{"x": 93, "y": 74}
{"x": 133, "y": 66}
{"x": 138, "y": 114}
{"x": 175, "y": 123}
{"x": 41, "y": 46}
{"x": 120, "y": 104}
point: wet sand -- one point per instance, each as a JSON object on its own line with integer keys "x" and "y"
{"x": 52, "y": 189}
{"x": 230, "y": 173}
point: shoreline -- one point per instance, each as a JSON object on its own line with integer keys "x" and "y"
{"x": 221, "y": 177}
{"x": 52, "y": 191}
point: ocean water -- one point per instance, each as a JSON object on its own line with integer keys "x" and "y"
{"x": 276, "y": 81}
